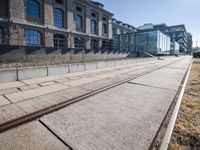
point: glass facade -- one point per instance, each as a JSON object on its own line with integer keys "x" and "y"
{"x": 58, "y": 18}
{"x": 59, "y": 40}
{"x": 33, "y": 8}
{"x": 1, "y": 36}
{"x": 154, "y": 42}
{"x": 33, "y": 37}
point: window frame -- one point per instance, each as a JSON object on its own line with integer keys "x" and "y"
{"x": 79, "y": 22}
{"x": 33, "y": 37}
{"x": 79, "y": 43}
{"x": 33, "y": 9}
{"x": 93, "y": 27}
{"x": 59, "y": 40}
{"x": 58, "y": 22}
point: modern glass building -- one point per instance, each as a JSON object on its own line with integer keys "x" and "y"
{"x": 175, "y": 47}
{"x": 152, "y": 41}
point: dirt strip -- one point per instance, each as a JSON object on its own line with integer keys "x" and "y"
{"x": 186, "y": 134}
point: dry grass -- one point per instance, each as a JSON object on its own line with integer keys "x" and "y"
{"x": 186, "y": 134}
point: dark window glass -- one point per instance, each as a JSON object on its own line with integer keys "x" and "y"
{"x": 59, "y": 1}
{"x": 114, "y": 31}
{"x": 33, "y": 8}
{"x": 105, "y": 29}
{"x": 104, "y": 19}
{"x": 33, "y": 37}
{"x": 1, "y": 36}
{"x": 94, "y": 15}
{"x": 78, "y": 8}
{"x": 58, "y": 17}
{"x": 94, "y": 44}
{"x": 79, "y": 42}
{"x": 79, "y": 21}
{"x": 93, "y": 27}
{"x": 59, "y": 40}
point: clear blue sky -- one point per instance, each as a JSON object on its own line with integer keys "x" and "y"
{"x": 171, "y": 12}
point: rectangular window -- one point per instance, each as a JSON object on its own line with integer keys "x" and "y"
{"x": 78, "y": 8}
{"x": 59, "y": 1}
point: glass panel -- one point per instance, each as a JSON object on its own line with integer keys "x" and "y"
{"x": 58, "y": 17}
{"x": 78, "y": 42}
{"x": 93, "y": 27}
{"x": 59, "y": 40}
{"x": 33, "y": 8}
{"x": 78, "y": 21}
{"x": 33, "y": 37}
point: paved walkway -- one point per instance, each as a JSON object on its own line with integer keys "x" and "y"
{"x": 125, "y": 117}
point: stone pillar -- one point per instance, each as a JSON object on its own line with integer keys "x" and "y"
{"x": 70, "y": 15}
{"x": 48, "y": 15}
{"x": 110, "y": 28}
{"x": 17, "y": 35}
{"x": 87, "y": 20}
{"x": 100, "y": 24}
{"x": 48, "y": 39}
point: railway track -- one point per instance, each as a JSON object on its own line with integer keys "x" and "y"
{"x": 33, "y": 116}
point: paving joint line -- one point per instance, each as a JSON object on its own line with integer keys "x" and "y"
{"x": 7, "y": 99}
{"x": 151, "y": 86}
{"x": 59, "y": 138}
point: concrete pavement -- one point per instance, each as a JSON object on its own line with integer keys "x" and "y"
{"x": 125, "y": 117}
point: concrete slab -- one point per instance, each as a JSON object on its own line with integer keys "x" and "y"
{"x": 15, "y": 97}
{"x": 92, "y": 86}
{"x": 47, "y": 83}
{"x": 10, "y": 112}
{"x": 164, "y": 78}
{"x": 32, "y": 105}
{"x": 80, "y": 81}
{"x": 7, "y": 91}
{"x": 73, "y": 92}
{"x": 125, "y": 117}
{"x": 3, "y": 101}
{"x": 10, "y": 85}
{"x": 29, "y": 87}
{"x": 31, "y": 136}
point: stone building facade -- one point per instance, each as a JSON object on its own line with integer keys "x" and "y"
{"x": 118, "y": 27}
{"x": 55, "y": 23}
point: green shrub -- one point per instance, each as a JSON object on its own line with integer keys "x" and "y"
{"x": 196, "y": 54}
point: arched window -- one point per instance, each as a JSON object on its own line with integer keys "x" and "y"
{"x": 93, "y": 27}
{"x": 79, "y": 21}
{"x": 58, "y": 17}
{"x": 105, "y": 29}
{"x": 59, "y": 40}
{"x": 79, "y": 42}
{"x": 33, "y": 8}
{"x": 33, "y": 37}
{"x": 94, "y": 44}
{"x": 1, "y": 36}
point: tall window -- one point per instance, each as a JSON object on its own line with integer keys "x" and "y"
{"x": 59, "y": 40}
{"x": 79, "y": 22}
{"x": 33, "y": 8}
{"x": 94, "y": 44}
{"x": 33, "y": 37}
{"x": 1, "y": 36}
{"x": 93, "y": 27}
{"x": 105, "y": 29}
{"x": 58, "y": 18}
{"x": 79, "y": 42}
{"x": 114, "y": 31}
